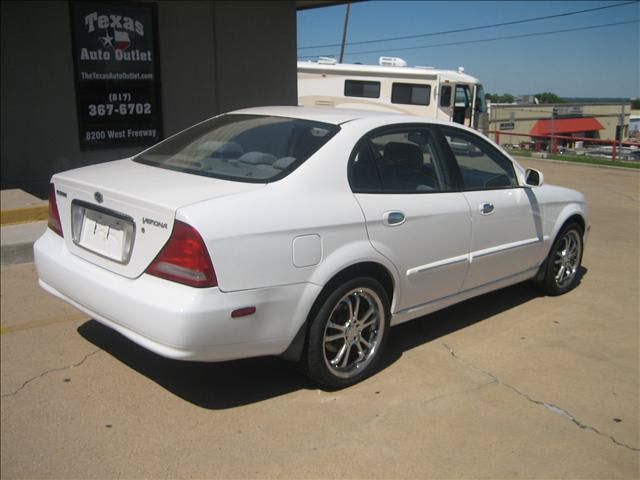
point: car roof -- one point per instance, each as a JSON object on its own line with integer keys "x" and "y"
{"x": 331, "y": 115}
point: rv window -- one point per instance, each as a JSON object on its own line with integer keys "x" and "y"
{"x": 356, "y": 88}
{"x": 445, "y": 96}
{"x": 463, "y": 96}
{"x": 410, "y": 94}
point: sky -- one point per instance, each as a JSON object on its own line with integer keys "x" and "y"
{"x": 599, "y": 62}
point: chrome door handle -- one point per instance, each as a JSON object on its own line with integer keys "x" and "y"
{"x": 486, "y": 208}
{"x": 393, "y": 219}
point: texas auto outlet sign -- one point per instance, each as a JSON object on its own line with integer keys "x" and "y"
{"x": 116, "y": 70}
{"x": 119, "y": 42}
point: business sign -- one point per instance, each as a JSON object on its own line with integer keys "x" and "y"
{"x": 507, "y": 126}
{"x": 569, "y": 111}
{"x": 116, "y": 68}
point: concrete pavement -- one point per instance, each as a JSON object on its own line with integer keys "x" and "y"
{"x": 507, "y": 385}
{"x": 23, "y": 219}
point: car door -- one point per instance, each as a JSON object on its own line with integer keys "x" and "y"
{"x": 413, "y": 215}
{"x": 506, "y": 225}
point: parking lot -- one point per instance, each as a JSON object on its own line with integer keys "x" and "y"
{"x": 508, "y": 385}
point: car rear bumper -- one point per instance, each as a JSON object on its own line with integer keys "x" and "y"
{"x": 174, "y": 320}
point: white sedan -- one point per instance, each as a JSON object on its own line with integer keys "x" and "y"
{"x": 302, "y": 232}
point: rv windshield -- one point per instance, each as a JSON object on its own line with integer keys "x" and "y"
{"x": 243, "y": 148}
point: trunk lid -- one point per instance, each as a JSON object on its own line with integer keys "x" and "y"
{"x": 130, "y": 210}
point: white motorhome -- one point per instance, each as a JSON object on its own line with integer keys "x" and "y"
{"x": 393, "y": 86}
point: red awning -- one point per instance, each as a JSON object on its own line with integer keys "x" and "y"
{"x": 566, "y": 125}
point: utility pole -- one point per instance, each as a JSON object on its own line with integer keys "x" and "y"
{"x": 344, "y": 31}
{"x": 553, "y": 114}
{"x": 619, "y": 134}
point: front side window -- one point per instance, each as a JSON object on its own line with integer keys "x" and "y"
{"x": 243, "y": 148}
{"x": 481, "y": 166}
{"x": 410, "y": 94}
{"x": 358, "y": 88}
{"x": 398, "y": 161}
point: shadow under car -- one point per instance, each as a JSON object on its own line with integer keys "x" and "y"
{"x": 234, "y": 383}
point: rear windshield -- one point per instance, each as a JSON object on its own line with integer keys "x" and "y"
{"x": 244, "y": 148}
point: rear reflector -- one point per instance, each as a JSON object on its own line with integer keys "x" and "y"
{"x": 54, "y": 216}
{"x": 184, "y": 259}
{"x": 243, "y": 312}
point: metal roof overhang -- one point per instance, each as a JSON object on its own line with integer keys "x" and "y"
{"x": 565, "y": 125}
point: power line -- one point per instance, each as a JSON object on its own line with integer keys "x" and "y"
{"x": 465, "y": 42}
{"x": 468, "y": 29}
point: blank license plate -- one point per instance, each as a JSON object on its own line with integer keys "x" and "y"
{"x": 102, "y": 233}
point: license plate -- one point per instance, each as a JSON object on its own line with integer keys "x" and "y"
{"x": 108, "y": 235}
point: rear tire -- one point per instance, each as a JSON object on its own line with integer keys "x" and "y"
{"x": 348, "y": 334}
{"x": 562, "y": 267}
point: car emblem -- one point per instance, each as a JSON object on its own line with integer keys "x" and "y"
{"x": 98, "y": 196}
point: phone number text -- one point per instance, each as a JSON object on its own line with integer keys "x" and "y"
{"x": 108, "y": 109}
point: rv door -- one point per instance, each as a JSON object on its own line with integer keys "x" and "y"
{"x": 462, "y": 105}
{"x": 445, "y": 98}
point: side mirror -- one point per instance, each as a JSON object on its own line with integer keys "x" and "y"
{"x": 533, "y": 178}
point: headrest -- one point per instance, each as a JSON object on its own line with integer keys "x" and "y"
{"x": 283, "y": 162}
{"x": 258, "y": 158}
{"x": 217, "y": 149}
{"x": 402, "y": 155}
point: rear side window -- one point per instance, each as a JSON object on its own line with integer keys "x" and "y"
{"x": 400, "y": 161}
{"x": 244, "y": 148}
{"x": 410, "y": 94}
{"x": 481, "y": 166}
{"x": 358, "y": 88}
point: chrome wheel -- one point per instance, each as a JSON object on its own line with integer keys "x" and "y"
{"x": 567, "y": 259}
{"x": 353, "y": 332}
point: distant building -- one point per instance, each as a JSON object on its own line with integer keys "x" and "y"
{"x": 634, "y": 125}
{"x": 539, "y": 121}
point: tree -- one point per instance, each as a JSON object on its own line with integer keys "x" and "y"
{"x": 635, "y": 104}
{"x": 549, "y": 97}
{"x": 495, "y": 98}
{"x": 507, "y": 98}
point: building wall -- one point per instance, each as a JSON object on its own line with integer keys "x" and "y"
{"x": 188, "y": 68}
{"x": 525, "y": 116}
{"x": 214, "y": 57}
{"x": 256, "y": 54}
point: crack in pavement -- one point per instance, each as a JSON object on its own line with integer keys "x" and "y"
{"x": 460, "y": 392}
{"x": 47, "y": 372}
{"x": 355, "y": 434}
{"x": 549, "y": 406}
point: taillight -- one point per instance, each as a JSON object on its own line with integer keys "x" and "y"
{"x": 184, "y": 259}
{"x": 54, "y": 217}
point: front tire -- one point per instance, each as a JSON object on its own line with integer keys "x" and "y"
{"x": 562, "y": 268}
{"x": 348, "y": 334}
